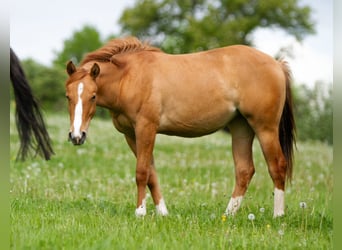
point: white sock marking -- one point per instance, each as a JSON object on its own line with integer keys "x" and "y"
{"x": 279, "y": 202}
{"x": 78, "y": 112}
{"x": 161, "y": 208}
{"x": 141, "y": 210}
{"x": 233, "y": 205}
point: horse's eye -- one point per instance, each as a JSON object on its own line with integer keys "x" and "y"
{"x": 67, "y": 97}
{"x": 93, "y": 97}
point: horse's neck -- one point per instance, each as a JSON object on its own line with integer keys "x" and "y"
{"x": 108, "y": 86}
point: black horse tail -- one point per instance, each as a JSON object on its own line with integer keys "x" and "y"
{"x": 28, "y": 117}
{"x": 287, "y": 126}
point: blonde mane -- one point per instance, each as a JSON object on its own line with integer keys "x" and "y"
{"x": 116, "y": 47}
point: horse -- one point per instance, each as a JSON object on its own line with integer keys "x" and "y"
{"x": 29, "y": 120}
{"x": 150, "y": 92}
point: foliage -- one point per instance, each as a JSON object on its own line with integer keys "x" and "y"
{"x": 84, "y": 197}
{"x": 314, "y": 112}
{"x": 47, "y": 84}
{"x": 81, "y": 42}
{"x": 185, "y": 26}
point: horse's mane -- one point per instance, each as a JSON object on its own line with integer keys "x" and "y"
{"x": 115, "y": 47}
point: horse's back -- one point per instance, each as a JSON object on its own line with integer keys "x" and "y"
{"x": 201, "y": 92}
{"x": 236, "y": 66}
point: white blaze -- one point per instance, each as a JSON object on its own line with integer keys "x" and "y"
{"x": 78, "y": 112}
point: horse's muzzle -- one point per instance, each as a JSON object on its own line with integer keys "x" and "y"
{"x": 77, "y": 140}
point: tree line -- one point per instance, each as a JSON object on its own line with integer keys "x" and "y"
{"x": 182, "y": 26}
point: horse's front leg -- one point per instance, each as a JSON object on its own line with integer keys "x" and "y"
{"x": 142, "y": 146}
{"x": 153, "y": 185}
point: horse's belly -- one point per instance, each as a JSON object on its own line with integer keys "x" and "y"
{"x": 196, "y": 123}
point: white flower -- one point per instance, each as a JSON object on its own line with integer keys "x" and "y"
{"x": 281, "y": 232}
{"x": 262, "y": 210}
{"x": 302, "y": 204}
{"x": 251, "y": 217}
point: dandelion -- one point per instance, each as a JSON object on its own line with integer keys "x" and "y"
{"x": 262, "y": 210}
{"x": 223, "y": 217}
{"x": 268, "y": 226}
{"x": 80, "y": 151}
{"x": 280, "y": 232}
{"x": 214, "y": 192}
{"x": 302, "y": 204}
{"x": 251, "y": 217}
{"x": 35, "y": 164}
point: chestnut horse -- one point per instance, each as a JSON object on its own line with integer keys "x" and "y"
{"x": 148, "y": 91}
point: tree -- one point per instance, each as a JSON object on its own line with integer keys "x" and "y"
{"x": 81, "y": 42}
{"x": 314, "y": 112}
{"x": 47, "y": 84}
{"x": 180, "y": 26}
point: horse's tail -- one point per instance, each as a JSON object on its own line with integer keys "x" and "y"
{"x": 28, "y": 117}
{"x": 287, "y": 126}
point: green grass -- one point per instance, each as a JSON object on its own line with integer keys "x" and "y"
{"x": 84, "y": 198}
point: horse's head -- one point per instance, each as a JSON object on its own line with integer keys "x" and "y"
{"x": 81, "y": 94}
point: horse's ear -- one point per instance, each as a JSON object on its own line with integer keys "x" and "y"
{"x": 95, "y": 71}
{"x": 70, "y": 68}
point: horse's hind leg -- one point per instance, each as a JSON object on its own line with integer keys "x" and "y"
{"x": 269, "y": 141}
{"x": 242, "y": 140}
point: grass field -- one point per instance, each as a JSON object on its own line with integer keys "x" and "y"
{"x": 84, "y": 198}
